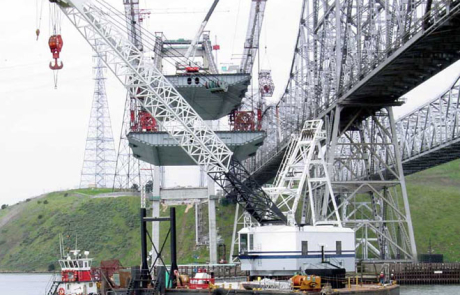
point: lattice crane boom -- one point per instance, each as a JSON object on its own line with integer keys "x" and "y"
{"x": 107, "y": 36}
{"x": 138, "y": 74}
{"x": 251, "y": 44}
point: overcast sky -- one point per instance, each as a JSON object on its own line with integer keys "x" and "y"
{"x": 43, "y": 130}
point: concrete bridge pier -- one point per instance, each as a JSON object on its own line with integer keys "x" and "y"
{"x": 212, "y": 222}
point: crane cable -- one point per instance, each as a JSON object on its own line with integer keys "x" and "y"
{"x": 38, "y": 16}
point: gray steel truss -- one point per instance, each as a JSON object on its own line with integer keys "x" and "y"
{"x": 430, "y": 135}
{"x": 353, "y": 61}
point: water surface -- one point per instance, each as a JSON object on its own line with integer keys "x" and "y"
{"x": 37, "y": 284}
{"x": 24, "y": 284}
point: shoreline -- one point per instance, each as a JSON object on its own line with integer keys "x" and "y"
{"x": 25, "y": 272}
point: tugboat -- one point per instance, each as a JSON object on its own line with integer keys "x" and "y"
{"x": 77, "y": 276}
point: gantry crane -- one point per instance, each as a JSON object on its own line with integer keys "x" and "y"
{"x": 97, "y": 22}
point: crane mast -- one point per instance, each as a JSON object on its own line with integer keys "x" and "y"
{"x": 251, "y": 44}
{"x": 134, "y": 26}
{"x": 97, "y": 23}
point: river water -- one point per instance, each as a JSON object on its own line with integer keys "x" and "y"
{"x": 36, "y": 284}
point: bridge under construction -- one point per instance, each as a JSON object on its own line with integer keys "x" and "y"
{"x": 353, "y": 62}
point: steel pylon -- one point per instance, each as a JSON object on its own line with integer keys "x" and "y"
{"x": 99, "y": 160}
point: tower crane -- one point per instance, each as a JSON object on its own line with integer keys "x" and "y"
{"x": 96, "y": 22}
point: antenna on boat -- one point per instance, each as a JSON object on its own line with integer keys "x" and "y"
{"x": 61, "y": 246}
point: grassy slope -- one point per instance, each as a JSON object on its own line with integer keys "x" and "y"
{"x": 109, "y": 227}
{"x": 434, "y": 197}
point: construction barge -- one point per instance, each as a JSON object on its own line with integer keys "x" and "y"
{"x": 365, "y": 290}
{"x": 78, "y": 276}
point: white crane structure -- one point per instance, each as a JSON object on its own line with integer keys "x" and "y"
{"x": 95, "y": 21}
{"x": 304, "y": 177}
{"x": 100, "y": 25}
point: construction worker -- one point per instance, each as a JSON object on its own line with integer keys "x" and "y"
{"x": 382, "y": 278}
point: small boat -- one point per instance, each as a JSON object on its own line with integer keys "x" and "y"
{"x": 77, "y": 276}
{"x": 201, "y": 280}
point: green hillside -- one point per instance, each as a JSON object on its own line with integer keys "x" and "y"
{"x": 434, "y": 197}
{"x": 109, "y": 227}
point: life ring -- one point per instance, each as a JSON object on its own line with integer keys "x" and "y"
{"x": 61, "y": 291}
{"x": 75, "y": 276}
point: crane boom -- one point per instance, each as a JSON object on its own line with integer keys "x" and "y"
{"x": 200, "y": 30}
{"x": 146, "y": 83}
{"x": 251, "y": 45}
{"x": 96, "y": 22}
{"x": 132, "y": 15}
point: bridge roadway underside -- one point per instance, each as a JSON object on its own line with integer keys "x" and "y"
{"x": 436, "y": 156}
{"x": 427, "y": 53}
{"x": 160, "y": 149}
{"x": 209, "y": 105}
{"x": 423, "y": 56}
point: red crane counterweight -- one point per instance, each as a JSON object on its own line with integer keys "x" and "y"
{"x": 55, "y": 43}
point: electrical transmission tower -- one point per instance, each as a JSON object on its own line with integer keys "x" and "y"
{"x": 99, "y": 162}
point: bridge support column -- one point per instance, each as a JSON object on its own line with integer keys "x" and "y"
{"x": 156, "y": 208}
{"x": 212, "y": 222}
{"x": 402, "y": 180}
{"x": 368, "y": 180}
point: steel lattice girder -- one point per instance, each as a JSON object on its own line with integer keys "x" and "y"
{"x": 144, "y": 82}
{"x": 99, "y": 160}
{"x": 95, "y": 21}
{"x": 358, "y": 155}
{"x": 239, "y": 185}
{"x": 361, "y": 56}
{"x": 430, "y": 134}
{"x": 384, "y": 49}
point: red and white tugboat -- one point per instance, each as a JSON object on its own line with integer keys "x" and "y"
{"x": 76, "y": 276}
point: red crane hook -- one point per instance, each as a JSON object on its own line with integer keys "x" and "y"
{"x": 55, "y": 43}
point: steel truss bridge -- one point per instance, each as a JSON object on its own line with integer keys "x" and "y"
{"x": 354, "y": 60}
